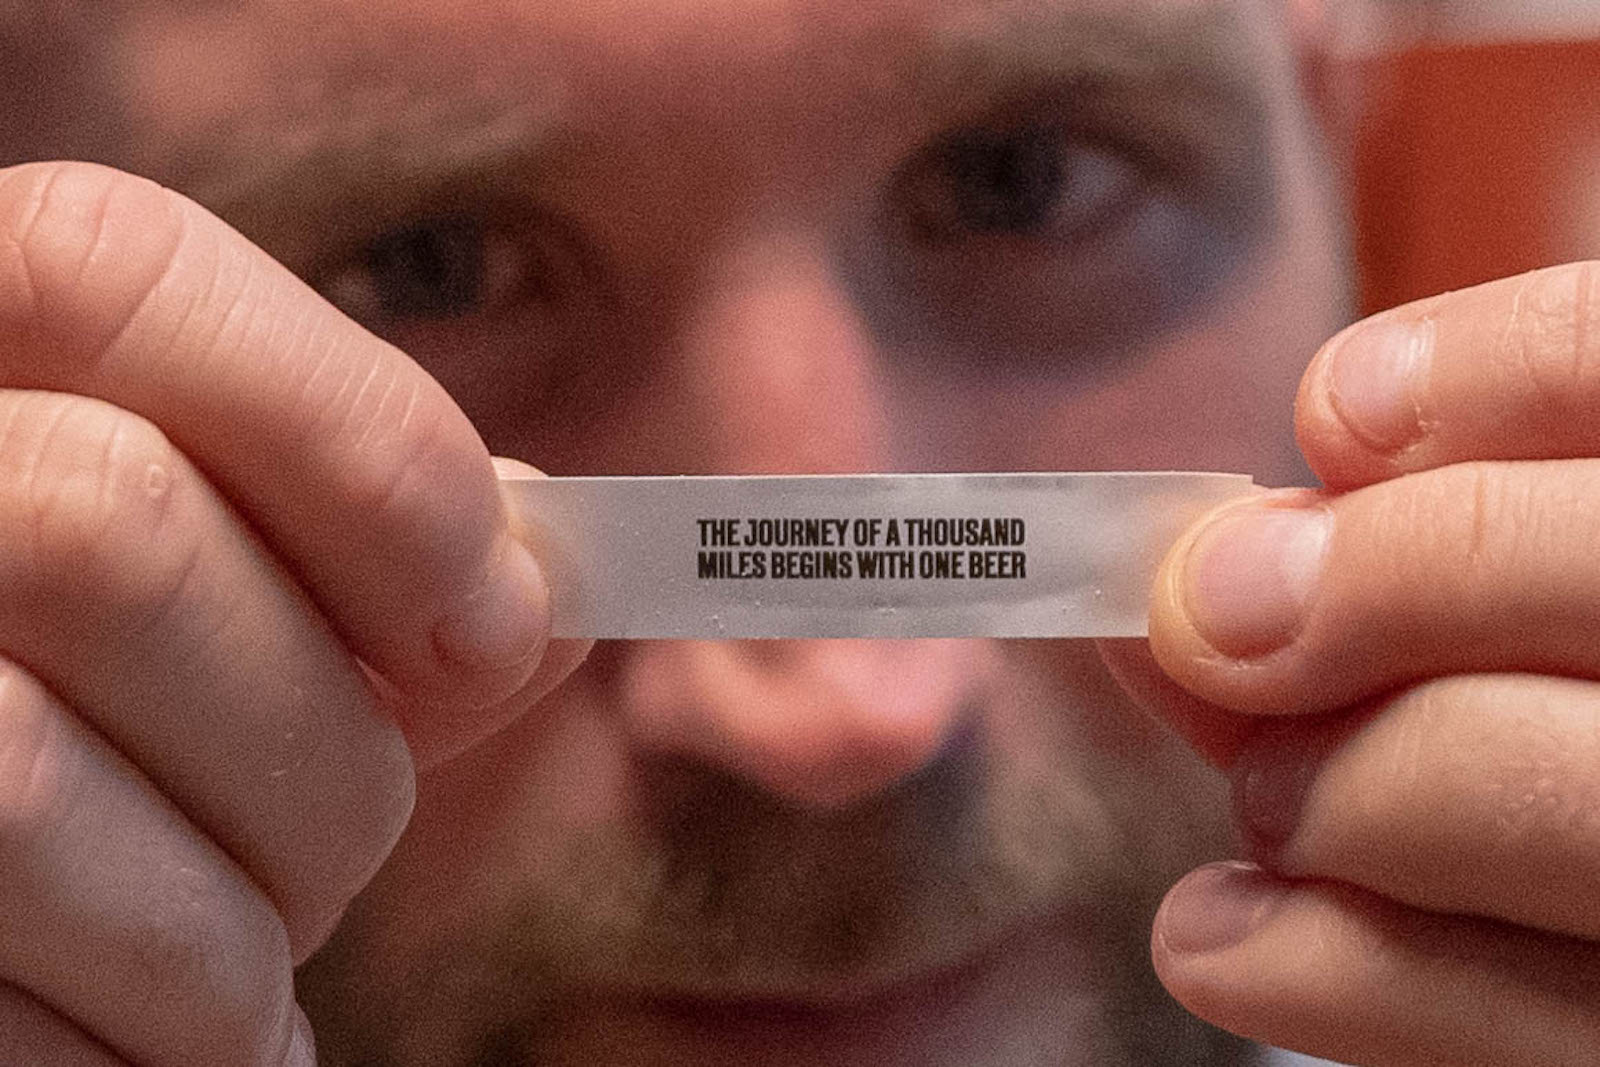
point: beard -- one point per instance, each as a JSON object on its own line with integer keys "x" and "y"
{"x": 1021, "y": 864}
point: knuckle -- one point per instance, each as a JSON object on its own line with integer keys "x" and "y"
{"x": 196, "y": 934}
{"x": 81, "y": 249}
{"x": 391, "y": 483}
{"x": 1491, "y": 503}
{"x": 1492, "y": 507}
{"x": 1551, "y": 339}
{"x": 378, "y": 420}
{"x": 405, "y": 456}
{"x": 1519, "y": 529}
{"x": 96, "y": 504}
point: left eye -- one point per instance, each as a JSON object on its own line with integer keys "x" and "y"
{"x": 431, "y": 268}
{"x": 1035, "y": 181}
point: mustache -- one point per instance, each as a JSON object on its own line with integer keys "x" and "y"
{"x": 739, "y": 864}
{"x": 720, "y": 888}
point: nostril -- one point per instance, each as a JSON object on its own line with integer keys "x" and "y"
{"x": 817, "y": 723}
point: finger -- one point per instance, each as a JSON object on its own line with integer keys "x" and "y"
{"x": 1507, "y": 370}
{"x": 136, "y": 595}
{"x": 32, "y": 1033}
{"x": 1473, "y": 795}
{"x": 353, "y": 463}
{"x": 562, "y": 656}
{"x": 119, "y": 916}
{"x": 1336, "y": 972}
{"x": 1301, "y": 602}
{"x": 560, "y": 659}
{"x": 1216, "y": 733}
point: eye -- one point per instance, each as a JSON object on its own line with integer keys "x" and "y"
{"x": 451, "y": 266}
{"x": 1057, "y": 237}
{"x": 1034, "y": 181}
{"x": 434, "y": 267}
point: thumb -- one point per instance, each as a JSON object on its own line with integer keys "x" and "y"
{"x": 443, "y": 738}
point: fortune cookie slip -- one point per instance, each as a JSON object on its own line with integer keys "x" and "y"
{"x": 875, "y": 555}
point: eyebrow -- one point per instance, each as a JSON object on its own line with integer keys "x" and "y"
{"x": 1178, "y": 81}
{"x": 329, "y": 137}
{"x": 1178, "y": 86}
{"x": 333, "y": 176}
{"x": 1141, "y": 43}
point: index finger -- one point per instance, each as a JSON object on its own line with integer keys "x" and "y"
{"x": 1505, "y": 370}
{"x": 357, "y": 468}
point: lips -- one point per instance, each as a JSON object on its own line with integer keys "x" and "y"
{"x": 1047, "y": 980}
{"x": 844, "y": 1003}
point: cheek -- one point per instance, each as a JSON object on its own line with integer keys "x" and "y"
{"x": 580, "y": 769}
{"x": 507, "y": 810}
{"x": 1217, "y": 394}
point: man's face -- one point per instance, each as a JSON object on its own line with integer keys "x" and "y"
{"x": 739, "y": 236}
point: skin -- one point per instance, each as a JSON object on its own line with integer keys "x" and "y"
{"x": 272, "y": 656}
{"x": 1423, "y": 815}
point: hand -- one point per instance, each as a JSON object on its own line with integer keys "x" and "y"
{"x": 1402, "y": 677}
{"x": 229, "y": 518}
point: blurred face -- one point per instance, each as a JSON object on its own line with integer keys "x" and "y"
{"x": 736, "y": 236}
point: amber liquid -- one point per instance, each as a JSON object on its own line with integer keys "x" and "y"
{"x": 1475, "y": 161}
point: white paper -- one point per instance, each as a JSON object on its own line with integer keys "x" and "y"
{"x": 878, "y": 555}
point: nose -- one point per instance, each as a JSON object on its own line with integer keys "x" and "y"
{"x": 774, "y": 369}
{"x": 819, "y": 724}
{"x": 776, "y": 372}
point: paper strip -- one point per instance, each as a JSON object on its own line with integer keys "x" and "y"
{"x": 881, "y": 555}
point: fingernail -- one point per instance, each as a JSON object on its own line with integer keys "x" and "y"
{"x": 302, "y": 1046}
{"x": 1250, "y": 575}
{"x": 504, "y": 622}
{"x": 1217, "y": 906}
{"x": 1373, "y": 381}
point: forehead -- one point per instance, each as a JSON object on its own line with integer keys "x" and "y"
{"x": 759, "y": 28}
{"x": 197, "y": 65}
{"x": 293, "y": 118}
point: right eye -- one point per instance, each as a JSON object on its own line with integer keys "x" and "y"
{"x": 451, "y": 266}
{"x": 433, "y": 268}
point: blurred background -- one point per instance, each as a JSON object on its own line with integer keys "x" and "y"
{"x": 1477, "y": 140}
